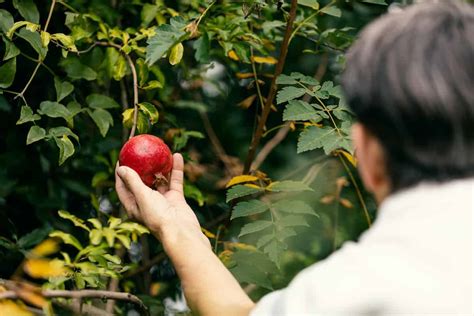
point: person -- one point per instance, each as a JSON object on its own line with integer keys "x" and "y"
{"x": 409, "y": 79}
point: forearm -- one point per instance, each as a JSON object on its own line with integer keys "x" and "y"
{"x": 209, "y": 287}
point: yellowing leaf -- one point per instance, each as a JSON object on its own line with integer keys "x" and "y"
{"x": 45, "y": 38}
{"x": 264, "y": 60}
{"x": 244, "y": 75}
{"x": 349, "y": 157}
{"x": 127, "y": 118}
{"x": 47, "y": 247}
{"x": 65, "y": 40}
{"x": 240, "y": 179}
{"x": 10, "y": 308}
{"x": 232, "y": 55}
{"x": 44, "y": 268}
{"x": 328, "y": 199}
{"x": 207, "y": 233}
{"x": 242, "y": 246}
{"x": 247, "y": 102}
{"x": 176, "y": 54}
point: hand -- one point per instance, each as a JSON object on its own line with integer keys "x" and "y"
{"x": 166, "y": 214}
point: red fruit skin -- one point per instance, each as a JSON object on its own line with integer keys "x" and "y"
{"x": 149, "y": 156}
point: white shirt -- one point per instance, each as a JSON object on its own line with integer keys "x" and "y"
{"x": 416, "y": 259}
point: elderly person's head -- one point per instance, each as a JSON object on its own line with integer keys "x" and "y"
{"x": 410, "y": 81}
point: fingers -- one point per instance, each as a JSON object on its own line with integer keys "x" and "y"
{"x": 125, "y": 196}
{"x": 133, "y": 183}
{"x": 176, "y": 181}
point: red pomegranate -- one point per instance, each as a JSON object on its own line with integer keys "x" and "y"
{"x": 149, "y": 156}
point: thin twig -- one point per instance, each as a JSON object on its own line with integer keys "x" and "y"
{"x": 273, "y": 88}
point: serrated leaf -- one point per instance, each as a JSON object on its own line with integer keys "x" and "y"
{"x": 100, "y": 101}
{"x": 285, "y": 79}
{"x": 54, "y": 109}
{"x": 297, "y": 110}
{"x": 293, "y": 207}
{"x": 176, "y": 54}
{"x": 288, "y": 186}
{"x": 166, "y": 36}
{"x": 67, "y": 239}
{"x": 7, "y": 73}
{"x": 103, "y": 119}
{"x": 241, "y": 191}
{"x": 326, "y": 137}
{"x": 150, "y": 111}
{"x": 248, "y": 208}
{"x": 265, "y": 239}
{"x": 274, "y": 249}
{"x": 66, "y": 148}
{"x": 26, "y": 115}
{"x": 240, "y": 179}
{"x": 293, "y": 220}
{"x": 27, "y": 9}
{"x": 289, "y": 93}
{"x": 252, "y": 267}
{"x": 35, "y": 134}
{"x": 254, "y": 227}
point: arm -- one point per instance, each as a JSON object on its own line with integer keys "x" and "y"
{"x": 210, "y": 289}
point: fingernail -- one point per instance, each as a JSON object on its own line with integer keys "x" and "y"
{"x": 121, "y": 171}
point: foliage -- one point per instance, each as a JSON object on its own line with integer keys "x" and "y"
{"x": 78, "y": 77}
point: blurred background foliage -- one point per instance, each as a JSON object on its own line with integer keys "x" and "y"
{"x": 204, "y": 69}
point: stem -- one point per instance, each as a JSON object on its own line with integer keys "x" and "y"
{"x": 135, "y": 83}
{"x": 257, "y": 136}
{"x": 300, "y": 25}
{"x": 257, "y": 85}
{"x": 22, "y": 93}
{"x": 359, "y": 194}
{"x": 204, "y": 13}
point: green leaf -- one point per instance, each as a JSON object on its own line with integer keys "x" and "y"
{"x": 27, "y": 9}
{"x": 60, "y": 131}
{"x": 332, "y": 10}
{"x": 34, "y": 39}
{"x": 103, "y": 119}
{"x": 150, "y": 111}
{"x": 109, "y": 235}
{"x": 7, "y": 73}
{"x": 249, "y": 208}
{"x": 192, "y": 192}
{"x": 67, "y": 239}
{"x": 26, "y": 115}
{"x": 289, "y": 93}
{"x": 274, "y": 250}
{"x": 381, "y": 2}
{"x": 66, "y": 148}
{"x": 254, "y": 227}
{"x": 314, "y": 4}
{"x": 95, "y": 236}
{"x": 95, "y": 222}
{"x": 133, "y": 228}
{"x": 113, "y": 258}
{"x": 166, "y": 36}
{"x": 239, "y": 191}
{"x": 66, "y": 40}
{"x": 99, "y": 101}
{"x": 253, "y": 267}
{"x": 288, "y": 186}
{"x": 54, "y": 109}
{"x": 76, "y": 70}
{"x": 297, "y": 110}
{"x": 35, "y": 134}
{"x": 4, "y": 105}
{"x": 34, "y": 237}
{"x": 285, "y": 79}
{"x": 149, "y": 12}
{"x": 6, "y": 21}
{"x": 265, "y": 239}
{"x": 326, "y": 137}
{"x": 153, "y": 84}
{"x": 293, "y": 220}
{"x": 294, "y": 207}
{"x": 74, "y": 219}
{"x": 120, "y": 68}
{"x": 10, "y": 49}
{"x": 202, "y": 46}
{"x": 176, "y": 54}
{"x": 126, "y": 242}
{"x": 142, "y": 123}
{"x": 63, "y": 88}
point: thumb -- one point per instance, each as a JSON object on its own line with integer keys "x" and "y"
{"x": 133, "y": 182}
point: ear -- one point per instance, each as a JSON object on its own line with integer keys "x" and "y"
{"x": 371, "y": 161}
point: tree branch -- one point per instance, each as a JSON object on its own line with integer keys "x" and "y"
{"x": 81, "y": 294}
{"x": 273, "y": 88}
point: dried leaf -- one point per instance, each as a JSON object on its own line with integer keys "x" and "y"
{"x": 346, "y": 203}
{"x": 328, "y": 199}
{"x": 232, "y": 55}
{"x": 264, "y": 60}
{"x": 244, "y": 75}
{"x": 247, "y": 102}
